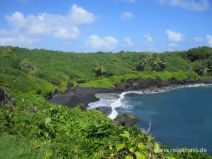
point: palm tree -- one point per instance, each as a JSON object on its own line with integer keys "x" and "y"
{"x": 157, "y": 62}
{"x": 143, "y": 62}
{"x": 154, "y": 62}
{"x": 202, "y": 70}
{"x": 100, "y": 70}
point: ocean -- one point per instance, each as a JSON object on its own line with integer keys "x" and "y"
{"x": 177, "y": 118}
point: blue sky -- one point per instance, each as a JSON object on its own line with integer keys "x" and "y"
{"x": 110, "y": 25}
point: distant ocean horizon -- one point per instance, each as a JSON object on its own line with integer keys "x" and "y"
{"x": 180, "y": 118}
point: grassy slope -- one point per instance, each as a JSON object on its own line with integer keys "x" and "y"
{"x": 112, "y": 81}
{"x": 56, "y": 69}
{"x": 54, "y": 131}
{"x": 13, "y": 147}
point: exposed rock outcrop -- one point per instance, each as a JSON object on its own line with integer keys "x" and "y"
{"x": 5, "y": 98}
{"x": 105, "y": 110}
{"x": 49, "y": 96}
{"x": 141, "y": 84}
{"x": 126, "y": 119}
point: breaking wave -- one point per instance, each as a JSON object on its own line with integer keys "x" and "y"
{"x": 114, "y": 101}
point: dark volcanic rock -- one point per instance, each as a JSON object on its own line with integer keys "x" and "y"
{"x": 78, "y": 95}
{"x": 141, "y": 84}
{"x": 5, "y": 98}
{"x": 106, "y": 110}
{"x": 49, "y": 96}
{"x": 138, "y": 84}
{"x": 126, "y": 119}
{"x": 207, "y": 81}
{"x": 83, "y": 107}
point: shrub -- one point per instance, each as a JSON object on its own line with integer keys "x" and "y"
{"x": 7, "y": 52}
{"x": 28, "y": 67}
{"x": 199, "y": 53}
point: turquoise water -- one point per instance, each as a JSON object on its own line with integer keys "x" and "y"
{"x": 179, "y": 118}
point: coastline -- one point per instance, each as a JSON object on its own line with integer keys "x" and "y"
{"x": 81, "y": 95}
{"x": 116, "y": 103}
{"x": 87, "y": 96}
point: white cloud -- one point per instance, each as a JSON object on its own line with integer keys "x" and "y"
{"x": 198, "y": 39}
{"x": 70, "y": 34}
{"x": 195, "y": 5}
{"x": 14, "y": 38}
{"x": 81, "y": 16}
{"x": 17, "y": 19}
{"x": 97, "y": 42}
{"x": 36, "y": 27}
{"x": 209, "y": 39}
{"x": 127, "y": 15}
{"x": 148, "y": 40}
{"x": 128, "y": 41}
{"x": 174, "y": 37}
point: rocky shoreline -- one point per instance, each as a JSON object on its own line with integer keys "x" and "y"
{"x": 155, "y": 84}
{"x": 84, "y": 95}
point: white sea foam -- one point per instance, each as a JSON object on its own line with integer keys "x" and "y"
{"x": 114, "y": 100}
{"x": 111, "y": 100}
{"x": 167, "y": 89}
{"x": 118, "y": 103}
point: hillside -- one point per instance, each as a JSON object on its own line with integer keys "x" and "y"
{"x": 39, "y": 129}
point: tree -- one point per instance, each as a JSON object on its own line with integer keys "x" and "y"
{"x": 157, "y": 62}
{"x": 28, "y": 67}
{"x": 7, "y": 52}
{"x": 143, "y": 63}
{"x": 154, "y": 62}
{"x": 100, "y": 70}
{"x": 208, "y": 62}
{"x": 200, "y": 67}
{"x": 200, "y": 53}
{"x": 202, "y": 70}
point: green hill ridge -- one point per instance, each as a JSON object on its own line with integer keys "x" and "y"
{"x": 35, "y": 128}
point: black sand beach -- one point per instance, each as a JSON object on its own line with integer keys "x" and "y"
{"x": 85, "y": 95}
{"x": 81, "y": 95}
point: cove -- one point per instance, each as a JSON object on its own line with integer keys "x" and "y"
{"x": 179, "y": 118}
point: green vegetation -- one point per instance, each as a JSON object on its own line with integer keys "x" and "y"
{"x": 13, "y": 147}
{"x": 43, "y": 71}
{"x": 152, "y": 62}
{"x": 112, "y": 81}
{"x": 202, "y": 60}
{"x": 28, "y": 67}
{"x": 35, "y": 128}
